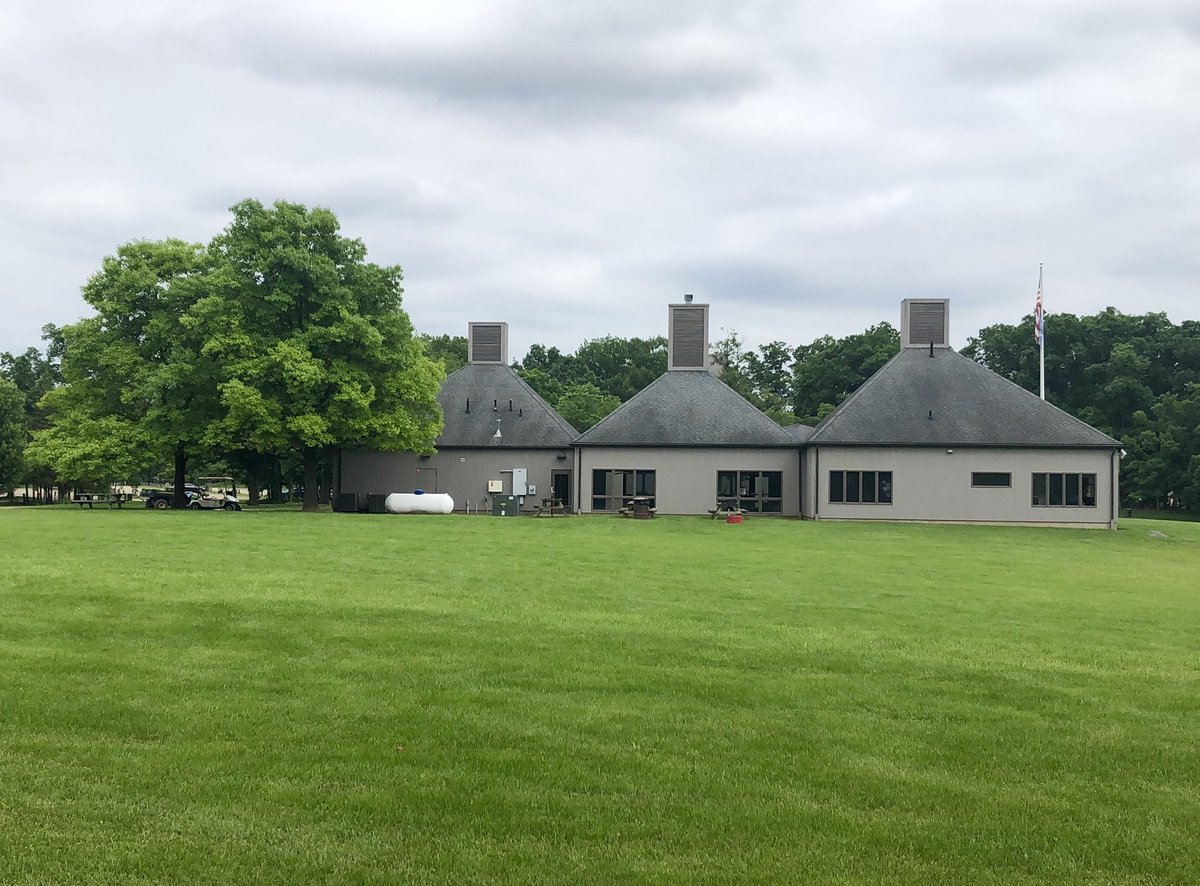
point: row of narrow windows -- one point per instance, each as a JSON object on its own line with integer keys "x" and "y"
{"x": 762, "y": 491}
{"x": 754, "y": 491}
{"x": 1047, "y": 490}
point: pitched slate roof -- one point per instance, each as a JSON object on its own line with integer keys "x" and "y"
{"x": 970, "y": 405}
{"x": 531, "y": 424}
{"x": 800, "y": 433}
{"x": 686, "y": 408}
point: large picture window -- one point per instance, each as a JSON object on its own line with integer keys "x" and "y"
{"x": 1064, "y": 490}
{"x": 614, "y": 488}
{"x": 757, "y": 491}
{"x": 860, "y": 487}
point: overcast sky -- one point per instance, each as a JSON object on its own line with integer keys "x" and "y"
{"x": 572, "y": 168}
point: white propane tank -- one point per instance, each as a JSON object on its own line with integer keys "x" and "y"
{"x": 418, "y": 503}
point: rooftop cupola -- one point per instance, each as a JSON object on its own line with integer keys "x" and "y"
{"x": 925, "y": 323}
{"x": 687, "y": 335}
{"x": 487, "y": 343}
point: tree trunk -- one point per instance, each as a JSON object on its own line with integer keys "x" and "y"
{"x": 327, "y": 477}
{"x": 275, "y": 487}
{"x": 311, "y": 480}
{"x": 178, "y": 496}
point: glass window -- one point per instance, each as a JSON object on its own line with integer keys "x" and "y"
{"x": 754, "y": 491}
{"x": 1072, "y": 490}
{"x": 860, "y": 487}
{"x": 1039, "y": 490}
{"x": 1056, "y": 489}
{"x": 996, "y": 479}
{"x": 1089, "y": 490}
{"x": 1064, "y": 490}
{"x": 612, "y": 488}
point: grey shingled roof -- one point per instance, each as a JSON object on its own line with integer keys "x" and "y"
{"x": 686, "y": 408}
{"x": 970, "y": 405}
{"x": 532, "y": 423}
{"x": 800, "y": 433}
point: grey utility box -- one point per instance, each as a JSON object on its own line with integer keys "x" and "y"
{"x": 505, "y": 506}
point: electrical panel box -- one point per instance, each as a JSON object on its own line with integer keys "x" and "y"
{"x": 520, "y": 476}
{"x": 531, "y": 489}
{"x": 505, "y": 506}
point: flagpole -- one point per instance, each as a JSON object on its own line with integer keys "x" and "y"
{"x": 1041, "y": 322}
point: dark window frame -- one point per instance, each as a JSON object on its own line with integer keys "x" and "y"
{"x": 1063, "y": 489}
{"x": 977, "y": 475}
{"x": 848, "y": 487}
{"x": 751, "y": 489}
{"x": 620, "y": 485}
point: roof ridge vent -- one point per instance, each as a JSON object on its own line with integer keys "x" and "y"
{"x": 487, "y": 343}
{"x": 687, "y": 335}
{"x": 925, "y": 323}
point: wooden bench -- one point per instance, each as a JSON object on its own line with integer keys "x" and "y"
{"x": 108, "y": 499}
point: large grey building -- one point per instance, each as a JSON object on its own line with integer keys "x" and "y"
{"x": 934, "y": 436}
{"x": 499, "y": 438}
{"x": 688, "y": 440}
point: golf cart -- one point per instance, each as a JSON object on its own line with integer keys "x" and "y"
{"x": 214, "y": 494}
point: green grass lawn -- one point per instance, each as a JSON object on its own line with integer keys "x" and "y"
{"x": 273, "y": 697}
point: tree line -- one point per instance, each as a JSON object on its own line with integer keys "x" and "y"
{"x": 278, "y": 342}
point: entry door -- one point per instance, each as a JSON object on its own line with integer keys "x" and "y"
{"x": 427, "y": 479}
{"x": 561, "y": 481}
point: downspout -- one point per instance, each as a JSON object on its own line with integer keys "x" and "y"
{"x": 578, "y": 451}
{"x": 1112, "y": 490}
{"x": 817, "y": 483}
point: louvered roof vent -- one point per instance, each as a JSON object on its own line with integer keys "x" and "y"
{"x": 924, "y": 321}
{"x": 687, "y": 336}
{"x": 487, "y": 343}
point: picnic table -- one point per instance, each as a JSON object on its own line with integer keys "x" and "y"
{"x": 549, "y": 507}
{"x": 639, "y": 508}
{"x": 726, "y": 507}
{"x": 108, "y": 499}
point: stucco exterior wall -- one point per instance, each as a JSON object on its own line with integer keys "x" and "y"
{"x": 463, "y": 473}
{"x": 935, "y": 484}
{"x": 686, "y": 479}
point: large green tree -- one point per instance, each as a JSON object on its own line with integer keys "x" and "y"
{"x": 34, "y": 374}
{"x": 829, "y": 369}
{"x": 12, "y": 434}
{"x": 449, "y": 350}
{"x": 137, "y": 388}
{"x": 584, "y": 405}
{"x": 317, "y": 350}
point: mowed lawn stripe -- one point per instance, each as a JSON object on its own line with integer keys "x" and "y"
{"x": 277, "y": 697}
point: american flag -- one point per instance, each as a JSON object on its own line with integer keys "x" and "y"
{"x": 1038, "y": 320}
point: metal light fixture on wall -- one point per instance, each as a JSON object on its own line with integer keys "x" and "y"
{"x": 497, "y": 435}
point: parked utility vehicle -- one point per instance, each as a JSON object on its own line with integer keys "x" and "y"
{"x": 215, "y": 493}
{"x": 161, "y": 498}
